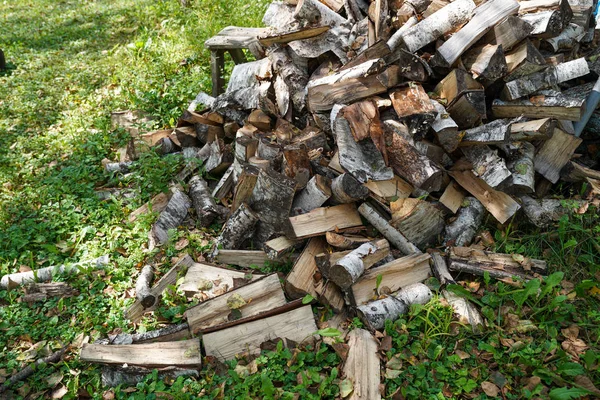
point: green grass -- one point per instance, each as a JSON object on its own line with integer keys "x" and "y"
{"x": 74, "y": 62}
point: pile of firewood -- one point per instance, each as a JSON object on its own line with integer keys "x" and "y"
{"x": 366, "y": 135}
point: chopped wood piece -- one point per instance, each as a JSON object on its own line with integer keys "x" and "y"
{"x": 170, "y": 333}
{"x": 524, "y": 60}
{"x": 438, "y": 24}
{"x": 555, "y": 153}
{"x": 261, "y": 295}
{"x": 464, "y": 96}
{"x": 135, "y": 311}
{"x": 499, "y": 266}
{"x": 278, "y": 247}
{"x": 316, "y": 192}
{"x": 487, "y": 164}
{"x": 395, "y": 275}
{"x": 346, "y": 189}
{"x": 548, "y": 17}
{"x": 210, "y": 281}
{"x": 520, "y": 164}
{"x": 574, "y": 172}
{"x": 485, "y": 16}
{"x": 418, "y": 220}
{"x": 350, "y": 85}
{"x": 414, "y": 107}
{"x": 293, "y": 76}
{"x": 225, "y": 185}
{"x": 390, "y": 190}
{"x": 297, "y": 325}
{"x": 46, "y": 274}
{"x": 553, "y": 106}
{"x": 237, "y": 229}
{"x": 345, "y": 242}
{"x": 543, "y": 213}
{"x": 445, "y": 129}
{"x": 41, "y": 291}
{"x": 272, "y": 201}
{"x": 468, "y": 220}
{"x": 567, "y": 39}
{"x": 452, "y": 197}
{"x": 172, "y": 216}
{"x": 272, "y": 38}
{"x": 362, "y": 366}
{"x": 486, "y": 63}
{"x": 242, "y": 258}
{"x": 128, "y": 375}
{"x": 245, "y": 186}
{"x": 206, "y": 209}
{"x": 362, "y": 159}
{"x": 325, "y": 219}
{"x": 388, "y": 231}
{"x": 508, "y": 33}
{"x": 297, "y": 164}
{"x": 181, "y": 354}
{"x": 407, "y": 162}
{"x": 375, "y": 313}
{"x": 495, "y": 132}
{"x": 539, "y": 129}
{"x": 143, "y": 291}
{"x": 348, "y": 269}
{"x": 499, "y": 204}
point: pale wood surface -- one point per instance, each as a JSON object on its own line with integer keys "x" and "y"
{"x": 211, "y": 281}
{"x": 555, "y": 153}
{"x": 325, "y": 219}
{"x": 362, "y": 365}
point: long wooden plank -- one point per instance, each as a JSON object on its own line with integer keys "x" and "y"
{"x": 297, "y": 325}
{"x": 394, "y": 275}
{"x": 286, "y": 37}
{"x": 325, "y": 219}
{"x": 362, "y": 365}
{"x": 184, "y": 353}
{"x": 498, "y": 265}
{"x": 242, "y": 258}
{"x": 499, "y": 204}
{"x": 260, "y": 296}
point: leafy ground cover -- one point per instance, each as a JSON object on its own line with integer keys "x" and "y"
{"x": 71, "y": 63}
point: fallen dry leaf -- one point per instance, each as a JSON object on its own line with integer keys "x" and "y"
{"x": 462, "y": 354}
{"x": 575, "y": 347}
{"x": 533, "y": 382}
{"x": 181, "y": 244}
{"x": 587, "y": 383}
{"x": 108, "y": 395}
{"x": 490, "y": 389}
{"x": 59, "y": 392}
{"x": 572, "y": 332}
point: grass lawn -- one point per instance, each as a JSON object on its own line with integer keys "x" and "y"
{"x": 71, "y": 63}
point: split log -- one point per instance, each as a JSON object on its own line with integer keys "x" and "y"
{"x": 30, "y": 369}
{"x": 363, "y": 118}
{"x": 362, "y": 159}
{"x": 438, "y": 24}
{"x": 41, "y": 291}
{"x": 270, "y": 151}
{"x": 208, "y": 281}
{"x": 293, "y": 77}
{"x": 347, "y": 270}
{"x": 170, "y": 333}
{"x": 242, "y": 258}
{"x": 394, "y": 275}
{"x": 135, "y": 311}
{"x": 171, "y": 217}
{"x": 508, "y": 33}
{"x": 316, "y": 192}
{"x": 543, "y": 213}
{"x": 548, "y": 17}
{"x": 542, "y": 106}
{"x": 157, "y": 204}
{"x": 414, "y": 108}
{"x": 346, "y": 189}
{"x": 220, "y": 157}
{"x": 259, "y": 296}
{"x": 237, "y": 229}
{"x": 245, "y": 186}
{"x": 143, "y": 291}
{"x": 452, "y": 197}
{"x": 388, "y": 231}
{"x": 485, "y": 16}
{"x": 325, "y": 219}
{"x": 539, "y": 129}
{"x": 375, "y": 313}
{"x": 362, "y": 366}
{"x": 186, "y": 136}
{"x": 445, "y": 129}
{"x": 272, "y": 201}
{"x": 325, "y": 260}
{"x": 270, "y": 38}
{"x": 297, "y": 164}
{"x": 499, "y": 266}
{"x": 388, "y": 190}
{"x": 312, "y": 138}
{"x": 46, "y": 274}
{"x": 206, "y": 209}
{"x": 278, "y": 247}
{"x": 165, "y": 354}
{"x": 554, "y": 154}
{"x": 487, "y": 164}
{"x": 520, "y": 164}
{"x": 468, "y": 220}
{"x": 495, "y": 132}
{"x": 345, "y": 242}
{"x": 524, "y": 60}
{"x": 407, "y": 162}
{"x": 467, "y": 313}
{"x": 486, "y": 63}
{"x": 499, "y": 204}
{"x": 245, "y": 147}
{"x": 574, "y": 172}
{"x": 297, "y": 325}
{"x": 350, "y": 85}
{"x": 465, "y": 98}
{"x": 128, "y": 375}
{"x": 567, "y": 39}
{"x": 418, "y": 220}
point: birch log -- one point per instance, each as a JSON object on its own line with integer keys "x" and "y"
{"x": 204, "y": 204}
{"x": 172, "y": 216}
{"x": 143, "y": 292}
{"x": 346, "y": 189}
{"x": 349, "y": 268}
{"x": 237, "y": 229}
{"x": 316, "y": 192}
{"x": 468, "y": 220}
